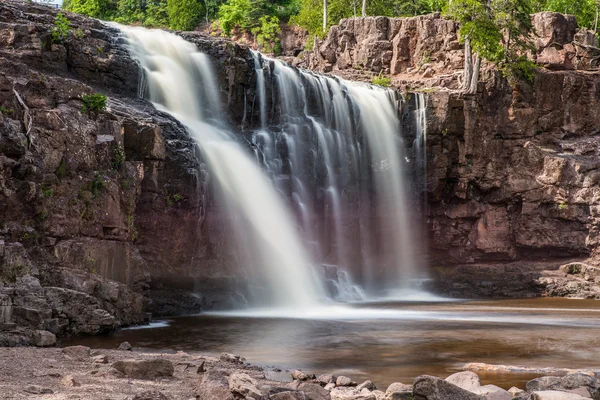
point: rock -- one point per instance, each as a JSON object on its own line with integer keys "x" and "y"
{"x": 470, "y": 381}
{"x": 567, "y": 382}
{"x": 214, "y": 384}
{"x": 245, "y": 386}
{"x": 125, "y": 346}
{"x": 515, "y": 391}
{"x": 36, "y": 389}
{"x": 110, "y": 372}
{"x": 145, "y": 369}
{"x": 350, "y": 393}
{"x": 431, "y": 388}
{"x": 78, "y": 353}
{"x": 466, "y": 380}
{"x": 232, "y": 358}
{"x": 325, "y": 379}
{"x": 69, "y": 381}
{"x": 100, "y": 359}
{"x": 301, "y": 376}
{"x": 151, "y": 395}
{"x": 367, "y": 385}
{"x": 329, "y": 386}
{"x": 398, "y": 391}
{"x": 344, "y": 381}
{"x": 43, "y": 339}
{"x": 555, "y": 395}
{"x": 313, "y": 391}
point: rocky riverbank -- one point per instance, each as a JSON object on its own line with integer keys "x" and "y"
{"x": 77, "y": 372}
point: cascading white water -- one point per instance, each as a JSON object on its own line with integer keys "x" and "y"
{"x": 180, "y": 81}
{"x": 348, "y": 169}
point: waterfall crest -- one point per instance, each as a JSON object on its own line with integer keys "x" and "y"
{"x": 180, "y": 81}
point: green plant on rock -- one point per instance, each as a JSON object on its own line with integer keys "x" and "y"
{"x": 381, "y": 80}
{"x": 61, "y": 28}
{"x": 79, "y": 34}
{"x": 47, "y": 192}
{"x": 563, "y": 206}
{"x": 118, "y": 157}
{"x": 93, "y": 103}
{"x": 6, "y": 111}
{"x": 61, "y": 171}
{"x": 96, "y": 186}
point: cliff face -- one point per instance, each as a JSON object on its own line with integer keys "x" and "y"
{"x": 103, "y": 216}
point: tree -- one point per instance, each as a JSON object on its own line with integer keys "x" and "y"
{"x": 184, "y": 14}
{"x": 364, "y": 8}
{"x": 496, "y": 30}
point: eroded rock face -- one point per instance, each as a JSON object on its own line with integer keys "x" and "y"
{"x": 511, "y": 178}
{"x": 108, "y": 210}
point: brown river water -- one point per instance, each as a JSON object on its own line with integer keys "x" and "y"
{"x": 389, "y": 342}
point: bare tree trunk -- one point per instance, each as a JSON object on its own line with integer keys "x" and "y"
{"x": 596, "y": 20}
{"x": 468, "y": 65}
{"x": 364, "y": 8}
{"x": 324, "y": 15}
{"x": 354, "y": 7}
{"x": 475, "y": 76}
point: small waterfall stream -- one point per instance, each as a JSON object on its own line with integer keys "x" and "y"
{"x": 332, "y": 149}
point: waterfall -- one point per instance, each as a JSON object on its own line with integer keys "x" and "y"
{"x": 180, "y": 81}
{"x": 342, "y": 150}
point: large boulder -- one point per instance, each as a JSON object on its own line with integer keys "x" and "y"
{"x": 555, "y": 395}
{"x": 145, "y": 369}
{"x": 245, "y": 386}
{"x": 470, "y": 381}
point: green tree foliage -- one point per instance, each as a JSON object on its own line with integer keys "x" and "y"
{"x": 184, "y": 15}
{"x": 156, "y": 14}
{"x": 267, "y": 34}
{"x": 105, "y": 9}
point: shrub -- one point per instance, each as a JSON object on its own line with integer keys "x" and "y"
{"x": 118, "y": 157}
{"x": 5, "y": 111}
{"x": 381, "y": 80}
{"x": 238, "y": 13}
{"x": 61, "y": 28}
{"x": 93, "y": 103}
{"x": 96, "y": 186}
{"x": 267, "y": 34}
{"x": 520, "y": 70}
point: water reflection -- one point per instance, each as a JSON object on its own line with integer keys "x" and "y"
{"x": 423, "y": 338}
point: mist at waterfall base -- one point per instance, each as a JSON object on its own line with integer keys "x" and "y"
{"x": 334, "y": 157}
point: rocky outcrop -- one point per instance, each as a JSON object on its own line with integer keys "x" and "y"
{"x": 425, "y": 51}
{"x": 511, "y": 178}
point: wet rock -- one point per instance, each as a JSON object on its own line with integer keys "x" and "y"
{"x": 302, "y": 376}
{"x": 78, "y": 353}
{"x": 43, "y": 339}
{"x": 431, "y": 388}
{"x": 145, "y": 369}
{"x": 69, "y": 381}
{"x": 125, "y": 346}
{"x": 344, "y": 381}
{"x": 243, "y": 385}
{"x": 36, "y": 389}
